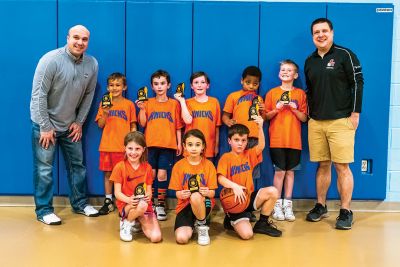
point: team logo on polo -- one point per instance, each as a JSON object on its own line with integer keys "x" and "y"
{"x": 331, "y": 64}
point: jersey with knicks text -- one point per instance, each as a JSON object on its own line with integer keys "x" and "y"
{"x": 183, "y": 170}
{"x": 124, "y": 174}
{"x": 163, "y": 120}
{"x": 118, "y": 124}
{"x": 206, "y": 117}
{"x": 238, "y": 104}
{"x": 239, "y": 168}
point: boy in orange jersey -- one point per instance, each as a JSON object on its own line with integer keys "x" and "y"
{"x": 236, "y": 109}
{"x": 286, "y": 114}
{"x": 161, "y": 117}
{"x": 235, "y": 171}
{"x": 202, "y": 112}
{"x": 116, "y": 121}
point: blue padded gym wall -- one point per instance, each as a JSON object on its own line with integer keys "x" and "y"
{"x": 106, "y": 22}
{"x": 220, "y": 38}
{"x": 367, "y": 30}
{"x": 27, "y": 35}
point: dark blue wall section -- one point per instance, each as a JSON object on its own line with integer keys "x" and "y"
{"x": 26, "y": 35}
{"x": 106, "y": 22}
{"x": 225, "y": 41}
{"x": 220, "y": 38}
{"x": 285, "y": 33}
{"x": 368, "y": 33}
{"x": 158, "y": 36}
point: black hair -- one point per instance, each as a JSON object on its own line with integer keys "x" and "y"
{"x": 252, "y": 71}
{"x": 321, "y": 20}
{"x": 239, "y": 129}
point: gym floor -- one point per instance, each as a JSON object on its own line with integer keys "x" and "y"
{"x": 83, "y": 241}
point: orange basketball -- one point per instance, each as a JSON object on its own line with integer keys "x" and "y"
{"x": 227, "y": 198}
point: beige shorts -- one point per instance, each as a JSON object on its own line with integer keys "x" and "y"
{"x": 331, "y": 140}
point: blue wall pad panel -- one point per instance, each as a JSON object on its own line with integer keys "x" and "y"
{"x": 158, "y": 36}
{"x": 106, "y": 23}
{"x": 371, "y": 41}
{"x": 285, "y": 34}
{"x": 31, "y": 32}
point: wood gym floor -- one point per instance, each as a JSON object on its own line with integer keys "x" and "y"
{"x": 82, "y": 241}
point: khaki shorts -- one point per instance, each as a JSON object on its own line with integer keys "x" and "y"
{"x": 331, "y": 140}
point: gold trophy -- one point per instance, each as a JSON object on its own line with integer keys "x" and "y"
{"x": 254, "y": 109}
{"x": 142, "y": 94}
{"x": 106, "y": 100}
{"x": 180, "y": 89}
{"x": 194, "y": 183}
{"x": 285, "y": 97}
{"x": 140, "y": 190}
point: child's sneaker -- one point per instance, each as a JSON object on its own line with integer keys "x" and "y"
{"x": 89, "y": 211}
{"x": 288, "y": 210}
{"x": 50, "y": 219}
{"x": 203, "y": 238}
{"x": 107, "y": 207}
{"x": 266, "y": 228}
{"x": 125, "y": 230}
{"x": 277, "y": 214}
{"x": 227, "y": 223}
{"x": 160, "y": 212}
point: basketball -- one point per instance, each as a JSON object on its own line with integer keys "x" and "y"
{"x": 227, "y": 198}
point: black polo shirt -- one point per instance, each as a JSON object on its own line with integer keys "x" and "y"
{"x": 334, "y": 84}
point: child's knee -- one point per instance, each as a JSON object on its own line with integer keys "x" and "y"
{"x": 246, "y": 235}
{"x": 182, "y": 238}
{"x": 196, "y": 199}
{"x": 155, "y": 237}
{"x": 142, "y": 206}
{"x": 270, "y": 192}
{"x": 162, "y": 175}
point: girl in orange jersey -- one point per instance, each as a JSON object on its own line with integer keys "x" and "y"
{"x": 202, "y": 112}
{"x": 194, "y": 179}
{"x": 132, "y": 187}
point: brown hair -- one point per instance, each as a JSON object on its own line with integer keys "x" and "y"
{"x": 139, "y": 139}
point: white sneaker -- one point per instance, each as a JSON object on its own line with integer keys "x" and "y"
{"x": 50, "y": 219}
{"x": 277, "y": 214}
{"x": 160, "y": 212}
{"x": 288, "y": 210}
{"x": 136, "y": 227}
{"x": 125, "y": 230}
{"x": 89, "y": 211}
{"x": 203, "y": 238}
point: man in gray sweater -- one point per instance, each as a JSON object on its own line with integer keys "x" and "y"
{"x": 62, "y": 92}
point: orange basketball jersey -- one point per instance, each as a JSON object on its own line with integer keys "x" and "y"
{"x": 183, "y": 170}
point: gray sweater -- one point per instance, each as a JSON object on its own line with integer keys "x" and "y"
{"x": 63, "y": 89}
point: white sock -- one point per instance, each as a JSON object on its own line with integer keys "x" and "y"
{"x": 109, "y": 196}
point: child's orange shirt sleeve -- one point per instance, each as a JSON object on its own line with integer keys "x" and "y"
{"x": 229, "y": 104}
{"x": 117, "y": 174}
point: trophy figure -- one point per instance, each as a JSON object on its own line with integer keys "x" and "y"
{"x": 140, "y": 190}
{"x": 254, "y": 109}
{"x": 106, "y": 100}
{"x": 180, "y": 89}
{"x": 142, "y": 94}
{"x": 194, "y": 183}
{"x": 285, "y": 97}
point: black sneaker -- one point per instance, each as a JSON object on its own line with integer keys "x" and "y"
{"x": 266, "y": 228}
{"x": 344, "y": 220}
{"x": 107, "y": 207}
{"x": 317, "y": 213}
{"x": 227, "y": 223}
{"x": 253, "y": 217}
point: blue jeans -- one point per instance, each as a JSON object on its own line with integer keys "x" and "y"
{"x": 43, "y": 172}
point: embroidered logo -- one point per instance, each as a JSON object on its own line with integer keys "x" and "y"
{"x": 331, "y": 64}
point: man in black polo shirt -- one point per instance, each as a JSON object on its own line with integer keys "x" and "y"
{"x": 334, "y": 91}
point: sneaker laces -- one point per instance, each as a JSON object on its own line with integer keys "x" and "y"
{"x": 202, "y": 231}
{"x": 272, "y": 224}
{"x": 317, "y": 209}
{"x": 343, "y": 216}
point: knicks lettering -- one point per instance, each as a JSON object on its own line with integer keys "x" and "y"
{"x": 248, "y": 97}
{"x": 239, "y": 169}
{"x": 186, "y": 177}
{"x": 118, "y": 113}
{"x": 202, "y": 114}
{"x": 160, "y": 115}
